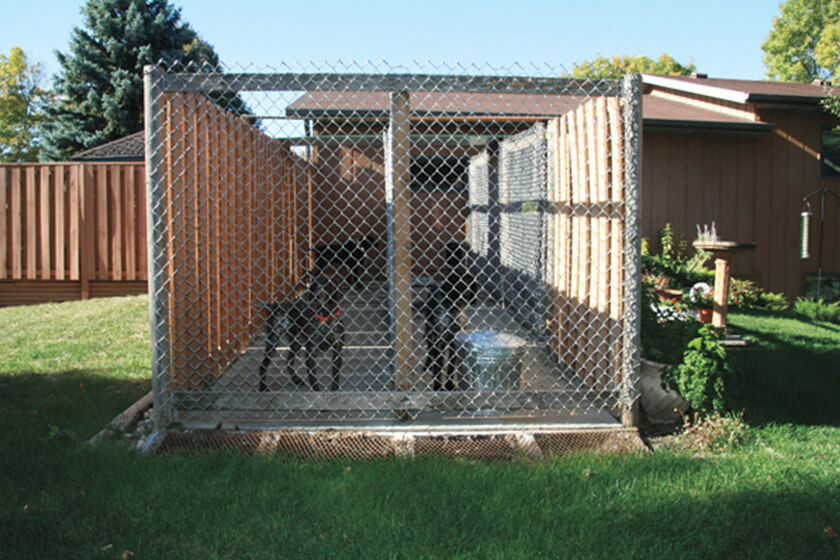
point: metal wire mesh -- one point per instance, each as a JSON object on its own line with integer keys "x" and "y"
{"x": 332, "y": 445}
{"x": 358, "y": 244}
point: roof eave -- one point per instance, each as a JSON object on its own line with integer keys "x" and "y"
{"x": 706, "y": 127}
{"x": 697, "y": 88}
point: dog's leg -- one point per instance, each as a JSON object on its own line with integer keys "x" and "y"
{"x": 309, "y": 352}
{"x": 435, "y": 358}
{"x": 294, "y": 349}
{"x": 272, "y": 337}
{"x": 448, "y": 346}
{"x": 336, "y": 365}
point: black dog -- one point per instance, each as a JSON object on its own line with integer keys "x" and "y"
{"x": 442, "y": 312}
{"x": 311, "y": 322}
{"x": 351, "y": 254}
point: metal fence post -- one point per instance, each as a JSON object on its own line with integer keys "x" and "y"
{"x": 632, "y": 102}
{"x": 157, "y": 296}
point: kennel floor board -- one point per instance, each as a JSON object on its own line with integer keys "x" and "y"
{"x": 367, "y": 362}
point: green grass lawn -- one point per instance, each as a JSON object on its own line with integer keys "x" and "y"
{"x": 67, "y": 369}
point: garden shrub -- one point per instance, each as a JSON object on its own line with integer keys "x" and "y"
{"x": 699, "y": 377}
{"x": 817, "y": 309}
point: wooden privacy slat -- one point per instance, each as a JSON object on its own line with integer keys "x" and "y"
{"x": 140, "y": 220}
{"x": 60, "y": 240}
{"x": 616, "y": 139}
{"x": 130, "y": 224}
{"x": 76, "y": 177}
{"x": 4, "y": 233}
{"x": 101, "y": 225}
{"x": 31, "y": 239}
{"x": 44, "y": 222}
{"x": 16, "y": 222}
{"x": 212, "y": 188}
{"x": 116, "y": 222}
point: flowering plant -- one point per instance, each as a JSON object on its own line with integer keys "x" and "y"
{"x": 702, "y": 295}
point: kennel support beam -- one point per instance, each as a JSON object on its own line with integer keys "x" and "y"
{"x": 386, "y": 82}
{"x": 156, "y": 257}
{"x": 398, "y": 203}
{"x": 632, "y": 109}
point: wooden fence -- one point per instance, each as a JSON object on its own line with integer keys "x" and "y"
{"x": 234, "y": 212}
{"x": 71, "y": 231}
{"x": 586, "y": 239}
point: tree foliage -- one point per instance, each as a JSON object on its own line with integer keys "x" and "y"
{"x": 804, "y": 42}
{"x": 22, "y": 100}
{"x": 100, "y": 84}
{"x": 618, "y": 65}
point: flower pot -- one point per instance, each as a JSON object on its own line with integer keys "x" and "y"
{"x": 660, "y": 405}
{"x": 705, "y": 315}
{"x": 668, "y": 294}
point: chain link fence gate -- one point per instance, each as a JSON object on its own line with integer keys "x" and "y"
{"x": 362, "y": 246}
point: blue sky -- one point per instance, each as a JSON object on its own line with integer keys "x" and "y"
{"x": 722, "y": 38}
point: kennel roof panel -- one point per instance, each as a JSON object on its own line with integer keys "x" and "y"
{"x": 367, "y": 104}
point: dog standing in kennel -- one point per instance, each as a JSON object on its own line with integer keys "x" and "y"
{"x": 311, "y": 322}
{"x": 442, "y": 311}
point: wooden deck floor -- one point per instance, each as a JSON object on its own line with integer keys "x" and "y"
{"x": 367, "y": 363}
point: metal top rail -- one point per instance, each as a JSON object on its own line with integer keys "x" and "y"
{"x": 203, "y": 81}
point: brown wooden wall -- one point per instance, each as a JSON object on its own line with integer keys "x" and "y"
{"x": 586, "y": 240}
{"x": 234, "y": 211}
{"x": 71, "y": 231}
{"x": 348, "y": 191}
{"x": 751, "y": 187}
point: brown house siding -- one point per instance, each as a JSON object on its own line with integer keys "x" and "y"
{"x": 751, "y": 187}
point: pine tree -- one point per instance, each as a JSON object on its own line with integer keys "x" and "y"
{"x": 100, "y": 85}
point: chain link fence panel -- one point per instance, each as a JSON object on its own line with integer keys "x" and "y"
{"x": 351, "y": 244}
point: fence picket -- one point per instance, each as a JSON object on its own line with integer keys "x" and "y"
{"x": 59, "y": 235}
{"x": 44, "y": 207}
{"x": 4, "y": 235}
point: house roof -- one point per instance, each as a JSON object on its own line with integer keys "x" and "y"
{"x": 743, "y": 91}
{"x": 657, "y": 113}
{"x": 660, "y": 114}
{"x": 127, "y": 148}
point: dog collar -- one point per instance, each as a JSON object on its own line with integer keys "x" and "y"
{"x": 323, "y": 319}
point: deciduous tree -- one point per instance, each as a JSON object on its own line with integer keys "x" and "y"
{"x": 803, "y": 44}
{"x": 618, "y": 65}
{"x": 22, "y": 100}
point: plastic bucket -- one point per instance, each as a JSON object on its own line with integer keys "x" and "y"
{"x": 489, "y": 361}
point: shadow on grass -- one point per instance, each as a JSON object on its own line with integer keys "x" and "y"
{"x": 789, "y": 374}
{"x": 677, "y": 507}
{"x": 79, "y": 401}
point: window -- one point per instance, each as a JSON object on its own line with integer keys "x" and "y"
{"x": 830, "y": 154}
{"x": 438, "y": 173}
{"x": 829, "y": 286}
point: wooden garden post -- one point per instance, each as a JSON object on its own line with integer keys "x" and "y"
{"x": 398, "y": 198}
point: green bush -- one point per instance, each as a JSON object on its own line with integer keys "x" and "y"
{"x": 773, "y": 302}
{"x": 699, "y": 377}
{"x": 817, "y": 309}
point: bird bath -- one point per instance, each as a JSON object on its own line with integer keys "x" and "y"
{"x": 723, "y": 252}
